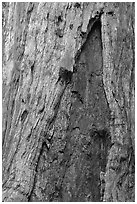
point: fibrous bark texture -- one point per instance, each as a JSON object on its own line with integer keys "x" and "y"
{"x": 68, "y": 102}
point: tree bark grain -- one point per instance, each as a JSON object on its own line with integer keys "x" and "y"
{"x": 68, "y": 101}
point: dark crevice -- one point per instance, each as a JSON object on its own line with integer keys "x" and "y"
{"x": 110, "y": 13}
{"x": 95, "y": 151}
{"x": 24, "y": 116}
{"x": 77, "y": 5}
{"x": 93, "y": 24}
{"x": 65, "y": 76}
{"x": 59, "y": 20}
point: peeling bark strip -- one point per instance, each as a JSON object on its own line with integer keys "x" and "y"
{"x": 68, "y": 101}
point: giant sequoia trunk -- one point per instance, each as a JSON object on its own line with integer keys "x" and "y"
{"x": 68, "y": 101}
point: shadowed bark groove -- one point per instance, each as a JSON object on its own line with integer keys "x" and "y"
{"x": 68, "y": 102}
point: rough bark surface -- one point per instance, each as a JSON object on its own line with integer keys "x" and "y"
{"x": 68, "y": 102}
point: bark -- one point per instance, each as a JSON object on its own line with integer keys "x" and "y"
{"x": 68, "y": 101}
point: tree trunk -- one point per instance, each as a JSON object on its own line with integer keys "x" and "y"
{"x": 68, "y": 101}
